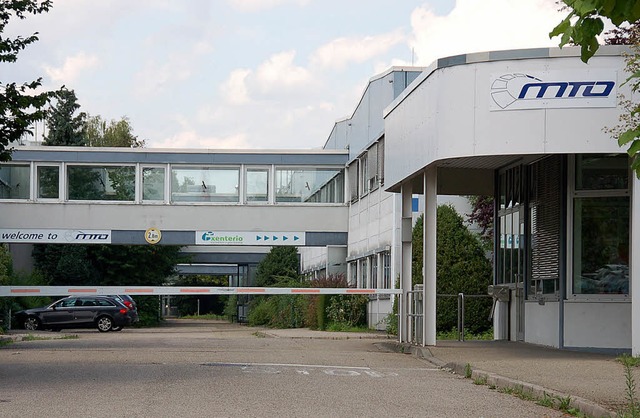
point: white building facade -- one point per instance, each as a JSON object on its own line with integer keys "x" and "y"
{"x": 527, "y": 126}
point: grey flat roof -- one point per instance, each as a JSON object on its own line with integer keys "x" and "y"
{"x": 180, "y": 156}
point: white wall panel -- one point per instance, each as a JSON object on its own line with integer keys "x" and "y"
{"x": 448, "y": 115}
{"x": 542, "y": 323}
{"x": 597, "y": 324}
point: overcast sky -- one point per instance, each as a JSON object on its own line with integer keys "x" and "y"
{"x": 253, "y": 73}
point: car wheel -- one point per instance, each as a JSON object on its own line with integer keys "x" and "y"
{"x": 104, "y": 323}
{"x": 31, "y": 323}
{"x": 116, "y": 328}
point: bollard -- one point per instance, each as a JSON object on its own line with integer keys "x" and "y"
{"x": 460, "y": 316}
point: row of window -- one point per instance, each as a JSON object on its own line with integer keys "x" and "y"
{"x": 530, "y": 227}
{"x": 171, "y": 183}
{"x": 366, "y": 173}
{"x": 372, "y": 272}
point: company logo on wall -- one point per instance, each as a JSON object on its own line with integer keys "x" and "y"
{"x": 211, "y": 237}
{"x": 51, "y": 236}
{"x": 553, "y": 89}
{"x": 260, "y": 238}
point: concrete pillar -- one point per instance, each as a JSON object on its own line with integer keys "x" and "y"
{"x": 405, "y": 269}
{"x": 634, "y": 268}
{"x": 429, "y": 255}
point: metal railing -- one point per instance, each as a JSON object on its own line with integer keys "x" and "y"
{"x": 415, "y": 316}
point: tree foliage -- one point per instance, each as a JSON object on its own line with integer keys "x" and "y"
{"x": 585, "y": 22}
{"x": 5, "y": 265}
{"x": 99, "y": 133}
{"x": 461, "y": 267}
{"x": 20, "y": 105}
{"x": 581, "y": 27}
{"x": 64, "y": 123}
{"x": 482, "y": 215}
{"x": 106, "y": 265}
{"x": 280, "y": 267}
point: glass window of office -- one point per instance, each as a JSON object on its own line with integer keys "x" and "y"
{"x": 153, "y": 180}
{"x": 205, "y": 184}
{"x": 113, "y": 183}
{"x": 510, "y": 250}
{"x": 601, "y": 225}
{"x": 48, "y": 182}
{"x": 309, "y": 185}
{"x": 257, "y": 185}
{"x": 353, "y": 273}
{"x": 386, "y": 270}
{"x": 14, "y": 181}
{"x": 374, "y": 272}
{"x": 364, "y": 272}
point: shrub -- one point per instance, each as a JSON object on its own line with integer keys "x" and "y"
{"x": 349, "y": 310}
{"x": 461, "y": 267}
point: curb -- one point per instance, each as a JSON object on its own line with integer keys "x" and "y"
{"x": 350, "y": 336}
{"x": 585, "y": 406}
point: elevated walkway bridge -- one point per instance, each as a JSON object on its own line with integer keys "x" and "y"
{"x": 226, "y": 208}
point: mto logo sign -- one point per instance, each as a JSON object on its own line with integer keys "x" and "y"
{"x": 56, "y": 236}
{"x": 553, "y": 89}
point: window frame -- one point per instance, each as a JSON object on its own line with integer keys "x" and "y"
{"x": 572, "y": 195}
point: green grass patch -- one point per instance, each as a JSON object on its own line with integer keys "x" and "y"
{"x": 342, "y": 327}
{"x": 468, "y": 336}
{"x": 628, "y": 360}
{"x": 210, "y": 317}
{"x": 31, "y": 337}
{"x": 5, "y": 342}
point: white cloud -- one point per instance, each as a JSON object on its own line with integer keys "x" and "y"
{"x": 155, "y": 77}
{"x": 340, "y": 52}
{"x": 476, "y": 26}
{"x": 280, "y": 72}
{"x": 72, "y": 68}
{"x": 252, "y": 6}
{"x": 234, "y": 89}
{"x": 192, "y": 139}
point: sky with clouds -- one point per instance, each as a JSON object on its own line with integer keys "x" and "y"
{"x": 239, "y": 74}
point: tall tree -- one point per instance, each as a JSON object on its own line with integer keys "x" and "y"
{"x": 20, "y": 106}
{"x": 280, "y": 266}
{"x": 65, "y": 124}
{"x": 581, "y": 27}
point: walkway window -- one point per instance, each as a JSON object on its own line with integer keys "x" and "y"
{"x": 153, "y": 183}
{"x": 601, "y": 225}
{"x": 199, "y": 184}
{"x": 315, "y": 185}
{"x": 257, "y": 188}
{"x": 48, "y": 182}
{"x": 14, "y": 181}
{"x": 101, "y": 183}
{"x": 373, "y": 282}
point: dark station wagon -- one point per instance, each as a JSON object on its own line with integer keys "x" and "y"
{"x": 102, "y": 312}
